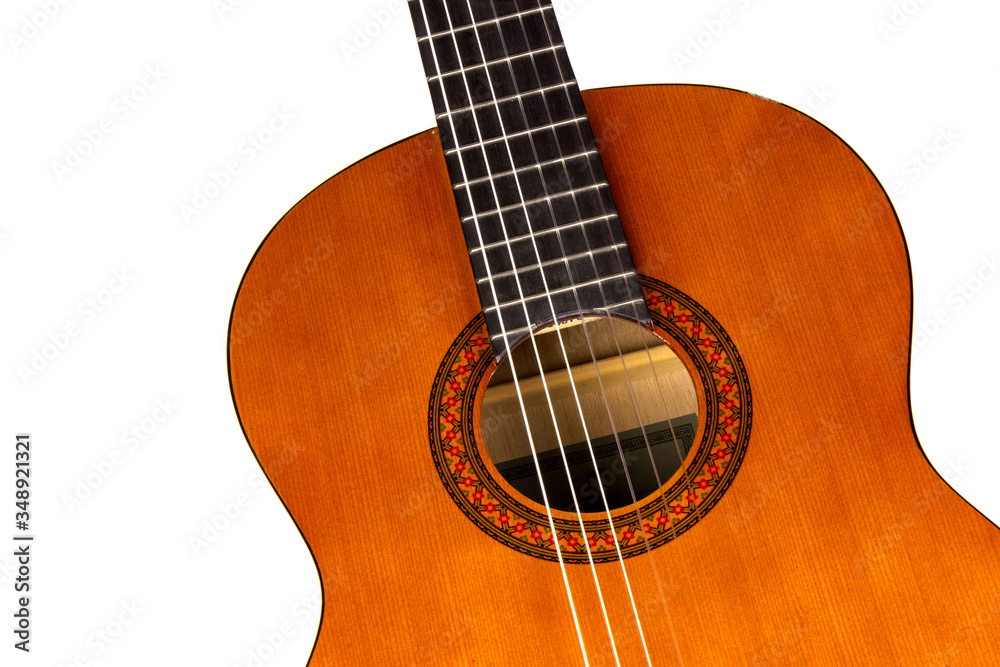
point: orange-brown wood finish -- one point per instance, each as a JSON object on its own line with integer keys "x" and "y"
{"x": 837, "y": 544}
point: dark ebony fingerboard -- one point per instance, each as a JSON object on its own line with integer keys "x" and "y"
{"x": 533, "y": 198}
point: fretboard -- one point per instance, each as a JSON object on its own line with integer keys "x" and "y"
{"x": 536, "y": 209}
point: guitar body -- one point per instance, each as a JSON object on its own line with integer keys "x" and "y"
{"x": 836, "y": 544}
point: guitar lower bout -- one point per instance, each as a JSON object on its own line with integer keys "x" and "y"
{"x": 825, "y": 539}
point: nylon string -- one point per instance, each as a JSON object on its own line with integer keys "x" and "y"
{"x": 534, "y": 454}
{"x": 546, "y": 391}
{"x": 663, "y": 402}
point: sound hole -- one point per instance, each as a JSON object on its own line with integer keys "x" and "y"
{"x": 639, "y": 414}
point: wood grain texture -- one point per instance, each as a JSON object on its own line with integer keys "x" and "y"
{"x": 837, "y": 544}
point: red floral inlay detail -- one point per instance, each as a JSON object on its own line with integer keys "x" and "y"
{"x": 507, "y": 514}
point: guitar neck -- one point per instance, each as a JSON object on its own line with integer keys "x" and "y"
{"x": 538, "y": 216}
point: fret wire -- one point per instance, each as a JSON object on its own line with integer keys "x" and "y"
{"x": 506, "y": 98}
{"x": 511, "y": 333}
{"x": 476, "y": 25}
{"x": 475, "y": 215}
{"x": 519, "y": 170}
{"x": 530, "y": 202}
{"x": 614, "y": 306}
{"x": 543, "y": 295}
{"x": 551, "y": 262}
{"x": 533, "y": 56}
{"x": 621, "y": 263}
{"x": 542, "y": 232}
{"x": 452, "y": 151}
{"x": 508, "y": 346}
{"x": 526, "y": 54}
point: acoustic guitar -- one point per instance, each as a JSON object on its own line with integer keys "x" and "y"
{"x": 614, "y": 377}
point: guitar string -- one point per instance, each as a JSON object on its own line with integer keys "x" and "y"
{"x": 663, "y": 401}
{"x": 590, "y": 346}
{"x": 659, "y": 482}
{"x": 552, "y": 44}
{"x": 554, "y": 534}
{"x": 659, "y": 584}
{"x": 537, "y": 355}
{"x": 518, "y": 95}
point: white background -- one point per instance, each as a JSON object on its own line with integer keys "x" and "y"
{"x": 162, "y": 337}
